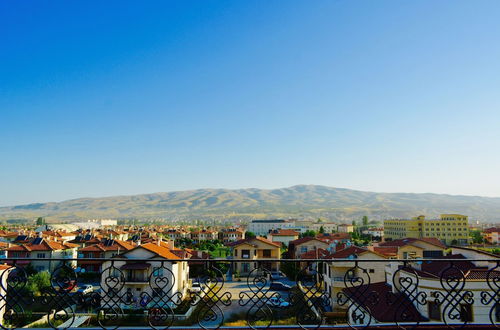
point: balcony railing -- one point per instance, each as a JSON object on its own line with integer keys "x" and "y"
{"x": 408, "y": 294}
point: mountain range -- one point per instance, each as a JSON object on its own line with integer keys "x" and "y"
{"x": 300, "y": 201}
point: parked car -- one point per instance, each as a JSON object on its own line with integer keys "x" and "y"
{"x": 86, "y": 289}
{"x": 278, "y": 286}
{"x": 277, "y": 302}
{"x": 277, "y": 275}
{"x": 195, "y": 287}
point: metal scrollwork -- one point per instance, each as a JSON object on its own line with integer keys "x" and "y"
{"x": 110, "y": 312}
{"x": 311, "y": 296}
{"x": 210, "y": 314}
{"x": 258, "y": 298}
{"x": 359, "y": 298}
{"x": 13, "y": 284}
{"x": 492, "y": 296}
{"x": 406, "y": 297}
{"x": 161, "y": 302}
{"x": 456, "y": 301}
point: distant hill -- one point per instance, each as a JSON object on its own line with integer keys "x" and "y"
{"x": 298, "y": 201}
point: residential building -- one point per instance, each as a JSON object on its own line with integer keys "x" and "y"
{"x": 255, "y": 249}
{"x": 44, "y": 250}
{"x": 451, "y": 229}
{"x": 491, "y": 235}
{"x": 203, "y": 235}
{"x": 410, "y": 248}
{"x": 345, "y": 228}
{"x": 328, "y": 227}
{"x": 329, "y": 242}
{"x": 140, "y": 284}
{"x": 231, "y": 234}
{"x": 108, "y": 248}
{"x": 337, "y": 275}
{"x": 262, "y": 227}
{"x": 374, "y": 232}
{"x": 472, "y": 277}
{"x": 283, "y": 236}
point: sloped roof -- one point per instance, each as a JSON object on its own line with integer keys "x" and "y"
{"x": 315, "y": 254}
{"x": 345, "y": 253}
{"x": 249, "y": 241}
{"x": 409, "y": 241}
{"x": 384, "y": 305}
{"x": 159, "y": 250}
{"x": 284, "y": 232}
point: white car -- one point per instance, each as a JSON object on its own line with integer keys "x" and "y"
{"x": 86, "y": 289}
{"x": 277, "y": 302}
{"x": 195, "y": 287}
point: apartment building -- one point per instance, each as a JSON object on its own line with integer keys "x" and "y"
{"x": 451, "y": 229}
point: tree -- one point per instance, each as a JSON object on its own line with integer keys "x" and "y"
{"x": 308, "y": 233}
{"x": 354, "y": 223}
{"x": 38, "y": 282}
{"x": 477, "y": 238}
{"x": 365, "y": 221}
{"x": 250, "y": 234}
{"x": 321, "y": 230}
{"x": 40, "y": 221}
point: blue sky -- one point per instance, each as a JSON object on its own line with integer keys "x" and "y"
{"x": 110, "y": 98}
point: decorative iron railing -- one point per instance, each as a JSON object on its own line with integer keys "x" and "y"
{"x": 309, "y": 294}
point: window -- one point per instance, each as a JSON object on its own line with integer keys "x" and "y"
{"x": 266, "y": 253}
{"x": 158, "y": 272}
{"x": 371, "y": 271}
{"x": 303, "y": 249}
{"x": 434, "y": 311}
{"x": 40, "y": 255}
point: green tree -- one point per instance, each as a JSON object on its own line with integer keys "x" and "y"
{"x": 40, "y": 221}
{"x": 354, "y": 223}
{"x": 321, "y": 230}
{"x": 365, "y": 221}
{"x": 308, "y": 233}
{"x": 38, "y": 282}
{"x": 477, "y": 238}
{"x": 250, "y": 234}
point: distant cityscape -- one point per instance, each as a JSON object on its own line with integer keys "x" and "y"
{"x": 261, "y": 245}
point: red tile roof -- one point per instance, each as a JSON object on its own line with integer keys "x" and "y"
{"x": 315, "y": 254}
{"x": 409, "y": 241}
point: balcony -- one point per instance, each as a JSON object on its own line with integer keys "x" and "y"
{"x": 466, "y": 293}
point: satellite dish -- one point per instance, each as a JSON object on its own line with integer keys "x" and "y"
{"x": 83, "y": 270}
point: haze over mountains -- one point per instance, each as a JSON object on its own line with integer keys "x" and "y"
{"x": 309, "y": 201}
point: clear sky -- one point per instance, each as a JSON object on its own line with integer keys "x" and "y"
{"x": 103, "y": 98}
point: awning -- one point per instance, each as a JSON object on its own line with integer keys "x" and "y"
{"x": 138, "y": 266}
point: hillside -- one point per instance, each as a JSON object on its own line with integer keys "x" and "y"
{"x": 297, "y": 201}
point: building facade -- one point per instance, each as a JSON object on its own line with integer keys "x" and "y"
{"x": 451, "y": 229}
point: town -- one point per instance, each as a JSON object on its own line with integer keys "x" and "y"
{"x": 103, "y": 274}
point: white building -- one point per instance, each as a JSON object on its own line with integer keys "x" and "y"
{"x": 140, "y": 284}
{"x": 262, "y": 227}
